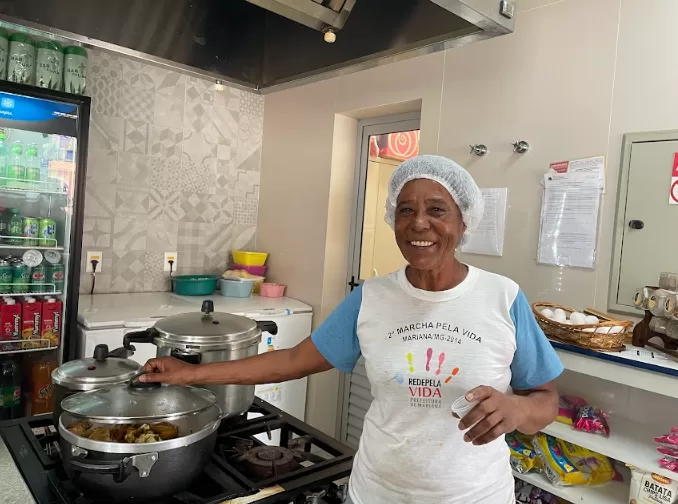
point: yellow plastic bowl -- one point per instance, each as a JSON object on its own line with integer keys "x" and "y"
{"x": 249, "y": 258}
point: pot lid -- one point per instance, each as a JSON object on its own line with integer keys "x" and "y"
{"x": 207, "y": 328}
{"x": 95, "y": 372}
{"x": 138, "y": 402}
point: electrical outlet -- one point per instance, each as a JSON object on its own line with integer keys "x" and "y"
{"x": 170, "y": 256}
{"x": 94, "y": 256}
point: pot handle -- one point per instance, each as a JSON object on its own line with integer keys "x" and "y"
{"x": 135, "y": 384}
{"x": 118, "y": 468}
{"x": 186, "y": 357}
{"x": 268, "y": 326}
{"x": 145, "y": 336}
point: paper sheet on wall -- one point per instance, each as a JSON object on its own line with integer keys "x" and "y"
{"x": 569, "y": 219}
{"x": 488, "y": 238}
{"x": 592, "y": 165}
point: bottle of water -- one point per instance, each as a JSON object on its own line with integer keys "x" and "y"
{"x": 45, "y": 158}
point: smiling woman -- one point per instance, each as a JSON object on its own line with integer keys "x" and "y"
{"x": 431, "y": 333}
{"x": 433, "y": 205}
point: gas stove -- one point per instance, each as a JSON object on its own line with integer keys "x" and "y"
{"x": 263, "y": 457}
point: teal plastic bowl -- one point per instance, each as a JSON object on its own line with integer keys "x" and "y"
{"x": 195, "y": 285}
{"x": 237, "y": 288}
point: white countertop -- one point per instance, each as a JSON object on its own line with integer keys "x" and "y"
{"x": 14, "y": 489}
{"x": 114, "y": 310}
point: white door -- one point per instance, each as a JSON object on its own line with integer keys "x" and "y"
{"x": 649, "y": 239}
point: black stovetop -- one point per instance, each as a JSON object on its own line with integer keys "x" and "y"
{"x": 315, "y": 474}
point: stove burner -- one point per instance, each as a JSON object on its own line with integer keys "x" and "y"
{"x": 270, "y": 461}
{"x": 304, "y": 465}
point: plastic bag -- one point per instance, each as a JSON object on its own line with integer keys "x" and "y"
{"x": 651, "y": 488}
{"x": 592, "y": 420}
{"x": 567, "y": 408}
{"x": 670, "y": 439}
{"x": 530, "y": 494}
{"x": 567, "y": 464}
{"x": 523, "y": 456}
{"x": 670, "y": 463}
{"x": 670, "y": 450}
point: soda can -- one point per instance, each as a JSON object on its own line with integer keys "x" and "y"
{"x": 55, "y": 275}
{"x": 21, "y": 278}
{"x": 31, "y": 227}
{"x": 38, "y": 279}
{"x": 5, "y": 277}
{"x": 47, "y": 233}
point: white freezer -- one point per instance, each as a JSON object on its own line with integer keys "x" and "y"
{"x": 105, "y": 318}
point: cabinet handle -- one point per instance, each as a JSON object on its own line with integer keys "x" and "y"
{"x": 636, "y": 224}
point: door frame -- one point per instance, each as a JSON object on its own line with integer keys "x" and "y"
{"x": 629, "y": 139}
{"x": 366, "y": 128}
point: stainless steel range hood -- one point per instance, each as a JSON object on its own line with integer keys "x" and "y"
{"x": 316, "y": 14}
{"x": 271, "y": 45}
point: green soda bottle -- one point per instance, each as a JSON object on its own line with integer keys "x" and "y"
{"x": 16, "y": 171}
{"x": 16, "y": 228}
{"x": 32, "y": 164}
{"x": 4, "y": 158}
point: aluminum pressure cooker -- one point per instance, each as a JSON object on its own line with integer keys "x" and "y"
{"x": 202, "y": 338}
{"x": 104, "y": 369}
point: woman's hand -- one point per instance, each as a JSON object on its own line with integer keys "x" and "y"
{"x": 168, "y": 370}
{"x": 494, "y": 415}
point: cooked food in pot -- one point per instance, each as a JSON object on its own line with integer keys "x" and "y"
{"x": 128, "y": 433}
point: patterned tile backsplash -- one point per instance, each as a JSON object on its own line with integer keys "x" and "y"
{"x": 173, "y": 166}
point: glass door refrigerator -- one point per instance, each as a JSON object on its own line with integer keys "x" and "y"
{"x": 43, "y": 153}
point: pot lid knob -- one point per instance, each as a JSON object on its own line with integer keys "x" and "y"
{"x": 100, "y": 353}
{"x": 207, "y": 306}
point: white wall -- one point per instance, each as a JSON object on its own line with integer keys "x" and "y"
{"x": 571, "y": 80}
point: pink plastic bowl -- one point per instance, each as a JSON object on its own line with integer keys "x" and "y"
{"x": 272, "y": 290}
{"x": 254, "y": 270}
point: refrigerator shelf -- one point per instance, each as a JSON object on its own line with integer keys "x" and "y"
{"x": 24, "y": 294}
{"x": 26, "y": 247}
{"x": 5, "y": 344}
{"x": 34, "y": 190}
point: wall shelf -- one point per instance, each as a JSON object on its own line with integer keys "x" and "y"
{"x": 631, "y": 367}
{"x": 629, "y": 442}
{"x": 613, "y": 492}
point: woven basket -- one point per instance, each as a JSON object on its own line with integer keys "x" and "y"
{"x": 584, "y": 336}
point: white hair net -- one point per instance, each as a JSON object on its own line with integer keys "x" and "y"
{"x": 458, "y": 182}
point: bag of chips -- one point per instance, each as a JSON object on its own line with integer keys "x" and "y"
{"x": 523, "y": 457}
{"x": 567, "y": 464}
{"x": 530, "y": 494}
{"x": 651, "y": 488}
{"x": 567, "y": 408}
{"x": 592, "y": 420}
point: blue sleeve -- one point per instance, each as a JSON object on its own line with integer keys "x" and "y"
{"x": 337, "y": 338}
{"x": 535, "y": 361}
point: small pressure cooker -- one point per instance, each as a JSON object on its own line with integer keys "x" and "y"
{"x": 205, "y": 337}
{"x": 104, "y": 369}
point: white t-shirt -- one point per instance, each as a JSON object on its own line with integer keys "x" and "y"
{"x": 423, "y": 350}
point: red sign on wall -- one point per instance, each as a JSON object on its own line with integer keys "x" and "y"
{"x": 673, "y": 191}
